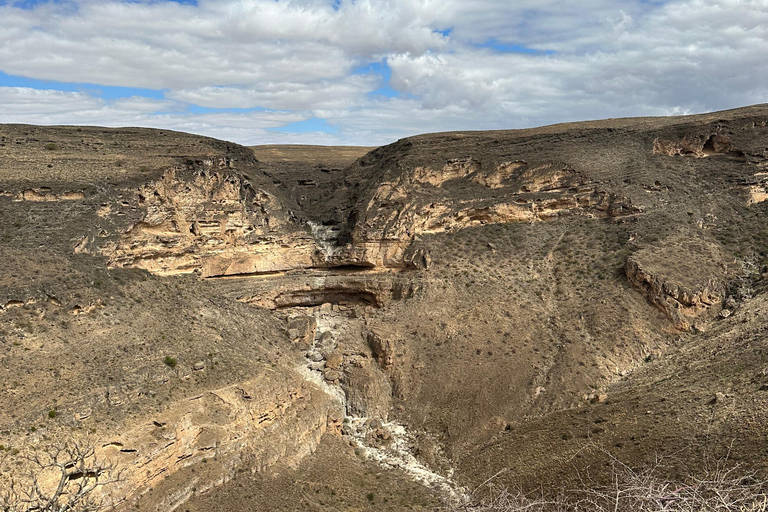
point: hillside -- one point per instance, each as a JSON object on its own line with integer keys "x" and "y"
{"x": 307, "y": 328}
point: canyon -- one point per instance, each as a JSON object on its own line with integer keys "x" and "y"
{"x": 301, "y": 328}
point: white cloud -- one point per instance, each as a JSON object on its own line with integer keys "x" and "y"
{"x": 296, "y": 59}
{"x": 326, "y": 94}
{"x": 32, "y": 106}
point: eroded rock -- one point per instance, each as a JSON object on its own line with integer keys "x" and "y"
{"x": 216, "y": 222}
{"x": 368, "y": 392}
{"x": 684, "y": 278}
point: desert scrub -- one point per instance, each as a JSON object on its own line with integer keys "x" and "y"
{"x": 170, "y": 362}
{"x": 724, "y": 487}
{"x": 51, "y": 146}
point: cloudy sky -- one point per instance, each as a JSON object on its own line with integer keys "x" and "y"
{"x": 371, "y": 71}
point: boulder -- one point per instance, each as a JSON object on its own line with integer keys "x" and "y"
{"x": 368, "y": 391}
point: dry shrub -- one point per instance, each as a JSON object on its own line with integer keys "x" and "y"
{"x": 720, "y": 487}
{"x": 62, "y": 477}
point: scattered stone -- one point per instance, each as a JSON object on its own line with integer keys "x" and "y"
{"x": 331, "y": 375}
{"x": 200, "y": 365}
{"x": 301, "y": 329}
{"x": 316, "y": 357}
{"x": 334, "y": 360}
{"x": 725, "y": 313}
{"x": 764, "y": 387}
{"x": 376, "y": 423}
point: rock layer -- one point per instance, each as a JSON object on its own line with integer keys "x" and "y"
{"x": 213, "y": 221}
{"x": 686, "y": 279}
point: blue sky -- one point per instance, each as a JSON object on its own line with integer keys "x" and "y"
{"x": 369, "y": 72}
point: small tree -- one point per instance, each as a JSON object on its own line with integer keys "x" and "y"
{"x": 60, "y": 478}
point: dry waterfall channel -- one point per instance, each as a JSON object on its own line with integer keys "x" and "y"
{"x": 326, "y": 237}
{"x": 364, "y": 433}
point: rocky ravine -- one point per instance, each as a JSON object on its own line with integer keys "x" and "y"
{"x": 172, "y": 298}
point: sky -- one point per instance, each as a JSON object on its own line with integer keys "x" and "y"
{"x": 369, "y": 72}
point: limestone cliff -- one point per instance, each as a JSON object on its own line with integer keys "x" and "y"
{"x": 214, "y": 221}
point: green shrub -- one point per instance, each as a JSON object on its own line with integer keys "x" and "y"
{"x": 170, "y": 361}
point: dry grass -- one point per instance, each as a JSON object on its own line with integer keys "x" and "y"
{"x": 720, "y": 487}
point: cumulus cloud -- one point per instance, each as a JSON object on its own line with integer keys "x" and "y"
{"x": 454, "y": 64}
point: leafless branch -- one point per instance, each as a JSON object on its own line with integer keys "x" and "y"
{"x": 62, "y": 477}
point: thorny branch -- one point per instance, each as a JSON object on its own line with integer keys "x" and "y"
{"x": 62, "y": 477}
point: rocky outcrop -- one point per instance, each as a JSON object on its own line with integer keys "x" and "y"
{"x": 496, "y": 178}
{"x": 453, "y": 169}
{"x": 686, "y": 279}
{"x": 46, "y": 195}
{"x": 757, "y": 185}
{"x": 213, "y": 221}
{"x": 374, "y": 289}
{"x": 301, "y": 329}
{"x": 696, "y": 146}
{"x": 199, "y": 442}
{"x": 368, "y": 392}
{"x": 425, "y": 201}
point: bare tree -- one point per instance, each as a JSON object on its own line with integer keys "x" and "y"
{"x": 64, "y": 477}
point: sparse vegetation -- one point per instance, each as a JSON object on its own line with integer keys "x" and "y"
{"x": 171, "y": 362}
{"x": 726, "y": 487}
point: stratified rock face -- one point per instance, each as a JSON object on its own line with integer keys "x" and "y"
{"x": 368, "y": 392}
{"x": 263, "y": 420}
{"x": 427, "y": 201}
{"x": 686, "y": 279}
{"x": 214, "y": 221}
{"x": 362, "y": 289}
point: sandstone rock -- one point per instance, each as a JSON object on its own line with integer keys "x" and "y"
{"x": 334, "y": 360}
{"x": 213, "y": 221}
{"x": 408, "y": 203}
{"x": 598, "y": 397}
{"x": 682, "y": 277}
{"x": 331, "y": 375}
{"x": 301, "y": 329}
{"x": 368, "y": 392}
{"x": 200, "y": 365}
